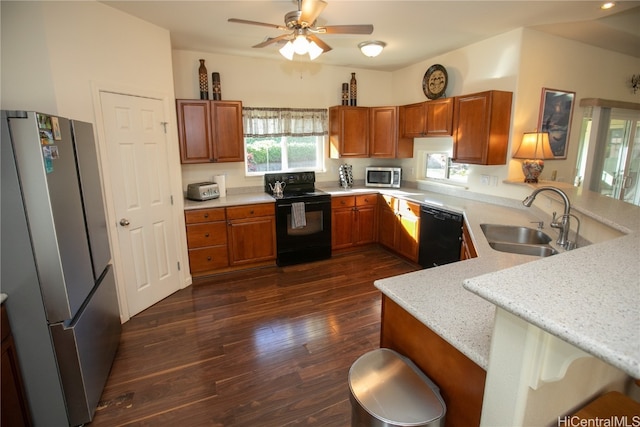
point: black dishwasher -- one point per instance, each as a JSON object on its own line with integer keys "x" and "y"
{"x": 440, "y": 236}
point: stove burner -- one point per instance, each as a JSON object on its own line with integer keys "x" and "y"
{"x": 296, "y": 184}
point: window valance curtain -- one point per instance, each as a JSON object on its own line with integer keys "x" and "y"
{"x": 261, "y": 122}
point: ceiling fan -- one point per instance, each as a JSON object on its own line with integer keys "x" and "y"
{"x": 302, "y": 31}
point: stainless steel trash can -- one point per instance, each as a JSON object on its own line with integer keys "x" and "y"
{"x": 387, "y": 389}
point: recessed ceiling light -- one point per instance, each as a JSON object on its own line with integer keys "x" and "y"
{"x": 607, "y": 5}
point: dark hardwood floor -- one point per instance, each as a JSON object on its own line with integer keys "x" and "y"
{"x": 263, "y": 347}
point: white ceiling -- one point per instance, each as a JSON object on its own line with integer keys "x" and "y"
{"x": 413, "y": 30}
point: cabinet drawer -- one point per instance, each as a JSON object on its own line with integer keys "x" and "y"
{"x": 250, "y": 211}
{"x": 204, "y": 215}
{"x": 343, "y": 202}
{"x": 366, "y": 199}
{"x": 201, "y": 235}
{"x": 408, "y": 208}
{"x": 206, "y": 259}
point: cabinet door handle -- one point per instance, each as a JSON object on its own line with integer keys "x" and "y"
{"x": 206, "y": 215}
{"x": 206, "y": 235}
{"x": 251, "y": 212}
{"x": 208, "y": 258}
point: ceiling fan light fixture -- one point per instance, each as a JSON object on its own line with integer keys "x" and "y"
{"x": 314, "y": 50}
{"x": 287, "y": 51}
{"x": 371, "y": 48}
{"x": 301, "y": 45}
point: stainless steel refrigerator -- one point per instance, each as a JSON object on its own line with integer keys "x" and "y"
{"x": 55, "y": 265}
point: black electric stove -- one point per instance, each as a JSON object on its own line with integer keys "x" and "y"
{"x": 303, "y": 218}
{"x": 296, "y": 185}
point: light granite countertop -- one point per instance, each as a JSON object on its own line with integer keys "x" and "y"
{"x": 589, "y": 297}
{"x": 229, "y": 200}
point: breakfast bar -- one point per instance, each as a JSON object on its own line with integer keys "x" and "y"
{"x": 512, "y": 314}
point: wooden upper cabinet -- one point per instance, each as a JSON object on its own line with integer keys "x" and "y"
{"x": 228, "y": 137}
{"x": 194, "y": 131}
{"x": 383, "y": 131}
{"x": 384, "y": 138}
{"x": 348, "y": 131}
{"x": 481, "y": 128}
{"x": 210, "y": 131}
{"x": 426, "y": 119}
{"x": 413, "y": 120}
{"x": 439, "y": 117}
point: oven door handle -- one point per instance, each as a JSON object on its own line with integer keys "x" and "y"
{"x": 288, "y": 205}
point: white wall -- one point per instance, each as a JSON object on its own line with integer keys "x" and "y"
{"x": 522, "y": 61}
{"x": 557, "y": 63}
{"x": 55, "y": 57}
{"x": 52, "y": 52}
{"x": 275, "y": 83}
{"x": 26, "y": 79}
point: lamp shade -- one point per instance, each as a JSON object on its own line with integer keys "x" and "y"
{"x": 371, "y": 48}
{"x": 534, "y": 149}
{"x": 535, "y": 145}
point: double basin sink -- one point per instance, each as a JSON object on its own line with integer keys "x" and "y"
{"x": 518, "y": 240}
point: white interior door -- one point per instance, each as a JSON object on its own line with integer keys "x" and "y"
{"x": 138, "y": 162}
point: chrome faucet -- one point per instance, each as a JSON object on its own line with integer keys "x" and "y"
{"x": 563, "y": 222}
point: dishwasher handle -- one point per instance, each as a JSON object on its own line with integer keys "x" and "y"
{"x": 440, "y": 214}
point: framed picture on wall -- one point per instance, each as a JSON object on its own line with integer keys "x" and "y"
{"x": 556, "y": 111}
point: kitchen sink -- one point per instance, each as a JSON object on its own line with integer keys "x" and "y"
{"x": 514, "y": 234}
{"x": 518, "y": 240}
{"x": 523, "y": 249}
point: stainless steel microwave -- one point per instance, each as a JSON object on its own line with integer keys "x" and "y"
{"x": 382, "y": 176}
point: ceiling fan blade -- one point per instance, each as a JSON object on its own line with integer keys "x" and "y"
{"x": 310, "y": 10}
{"x": 344, "y": 29}
{"x": 272, "y": 40}
{"x": 263, "y": 24}
{"x": 325, "y": 47}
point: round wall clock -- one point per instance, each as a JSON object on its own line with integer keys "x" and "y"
{"x": 435, "y": 81}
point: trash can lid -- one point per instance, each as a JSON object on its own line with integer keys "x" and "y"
{"x": 392, "y": 389}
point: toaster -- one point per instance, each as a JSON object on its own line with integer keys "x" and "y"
{"x": 202, "y": 191}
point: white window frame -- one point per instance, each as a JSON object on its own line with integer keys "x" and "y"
{"x": 285, "y": 125}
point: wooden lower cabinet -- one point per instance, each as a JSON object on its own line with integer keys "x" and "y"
{"x": 252, "y": 233}
{"x": 461, "y": 381}
{"x": 206, "y": 240}
{"x": 15, "y": 410}
{"x": 399, "y": 226}
{"x": 467, "y": 250}
{"x": 221, "y": 239}
{"x": 353, "y": 220}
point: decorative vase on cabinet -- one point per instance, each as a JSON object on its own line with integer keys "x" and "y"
{"x": 353, "y": 90}
{"x": 204, "y": 80}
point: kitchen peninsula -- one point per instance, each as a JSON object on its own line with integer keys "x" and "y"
{"x": 583, "y": 302}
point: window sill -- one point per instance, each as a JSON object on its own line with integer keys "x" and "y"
{"x": 443, "y": 182}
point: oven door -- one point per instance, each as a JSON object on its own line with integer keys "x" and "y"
{"x": 307, "y": 243}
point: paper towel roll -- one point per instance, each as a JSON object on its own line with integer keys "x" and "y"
{"x": 222, "y": 188}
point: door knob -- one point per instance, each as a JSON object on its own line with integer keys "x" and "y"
{"x": 124, "y": 222}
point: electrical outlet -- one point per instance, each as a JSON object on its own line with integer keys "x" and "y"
{"x": 485, "y": 180}
{"x": 494, "y": 181}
